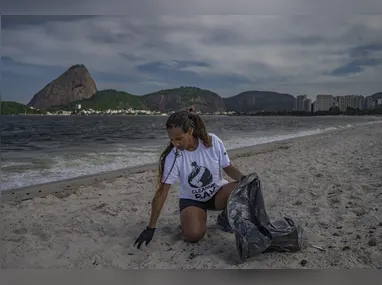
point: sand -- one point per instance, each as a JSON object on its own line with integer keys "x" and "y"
{"x": 331, "y": 183}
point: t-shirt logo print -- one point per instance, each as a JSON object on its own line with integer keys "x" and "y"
{"x": 200, "y": 176}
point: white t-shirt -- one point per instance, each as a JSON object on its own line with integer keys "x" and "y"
{"x": 198, "y": 171}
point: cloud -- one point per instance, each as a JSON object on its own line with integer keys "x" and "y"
{"x": 226, "y": 53}
{"x": 176, "y": 7}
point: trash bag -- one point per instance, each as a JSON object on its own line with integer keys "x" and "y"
{"x": 287, "y": 235}
{"x": 254, "y": 232}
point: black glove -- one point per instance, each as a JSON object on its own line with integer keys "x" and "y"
{"x": 242, "y": 178}
{"x": 145, "y": 236}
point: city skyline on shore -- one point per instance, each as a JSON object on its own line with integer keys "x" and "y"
{"x": 323, "y": 102}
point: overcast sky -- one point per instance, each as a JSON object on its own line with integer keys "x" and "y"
{"x": 310, "y": 55}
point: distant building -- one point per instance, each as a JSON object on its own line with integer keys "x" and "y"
{"x": 315, "y": 106}
{"x": 360, "y": 102}
{"x": 377, "y": 103}
{"x": 368, "y": 102}
{"x": 300, "y": 102}
{"x": 307, "y": 105}
{"x": 354, "y": 101}
{"x": 340, "y": 103}
{"x": 324, "y": 102}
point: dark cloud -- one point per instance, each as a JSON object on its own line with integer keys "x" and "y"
{"x": 355, "y": 66}
{"x": 228, "y": 54}
{"x": 176, "y": 7}
{"x": 16, "y": 21}
{"x": 364, "y": 51}
{"x": 172, "y": 74}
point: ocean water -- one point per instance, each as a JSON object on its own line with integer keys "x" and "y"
{"x": 38, "y": 149}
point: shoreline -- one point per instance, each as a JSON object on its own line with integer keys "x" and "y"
{"x": 69, "y": 185}
{"x": 373, "y": 115}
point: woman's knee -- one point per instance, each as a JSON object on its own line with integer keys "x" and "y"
{"x": 193, "y": 222}
{"x": 193, "y": 235}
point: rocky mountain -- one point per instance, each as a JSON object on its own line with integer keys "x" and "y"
{"x": 183, "y": 98}
{"x": 253, "y": 101}
{"x": 74, "y": 84}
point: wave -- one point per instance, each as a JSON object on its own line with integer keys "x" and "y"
{"x": 48, "y": 168}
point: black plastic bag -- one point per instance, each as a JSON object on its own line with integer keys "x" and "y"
{"x": 287, "y": 235}
{"x": 254, "y": 232}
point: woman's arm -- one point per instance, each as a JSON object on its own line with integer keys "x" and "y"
{"x": 169, "y": 176}
{"x": 233, "y": 172}
{"x": 225, "y": 161}
{"x": 157, "y": 204}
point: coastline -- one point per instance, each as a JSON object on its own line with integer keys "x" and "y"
{"x": 68, "y": 186}
{"x": 330, "y": 183}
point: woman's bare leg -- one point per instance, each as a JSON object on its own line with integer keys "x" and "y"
{"x": 221, "y": 200}
{"x": 194, "y": 223}
{"x": 221, "y": 197}
{"x": 194, "y": 220}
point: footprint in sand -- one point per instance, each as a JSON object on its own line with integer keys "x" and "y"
{"x": 40, "y": 234}
{"x": 176, "y": 237}
{"x": 174, "y": 232}
{"x": 334, "y": 201}
{"x": 314, "y": 210}
{"x": 359, "y": 212}
{"x": 35, "y": 231}
{"x": 20, "y": 231}
{"x": 168, "y": 230}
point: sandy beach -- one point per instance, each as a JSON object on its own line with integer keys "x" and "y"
{"x": 331, "y": 183}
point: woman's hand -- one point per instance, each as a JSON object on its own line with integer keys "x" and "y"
{"x": 145, "y": 236}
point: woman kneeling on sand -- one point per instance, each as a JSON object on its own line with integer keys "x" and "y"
{"x": 195, "y": 157}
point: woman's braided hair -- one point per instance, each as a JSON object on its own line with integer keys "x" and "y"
{"x": 184, "y": 120}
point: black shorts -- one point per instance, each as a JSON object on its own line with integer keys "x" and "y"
{"x": 207, "y": 205}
